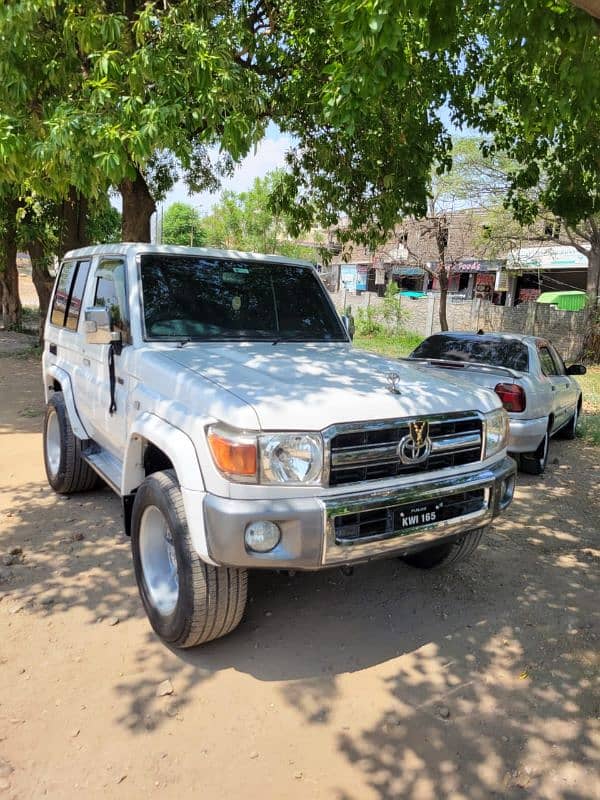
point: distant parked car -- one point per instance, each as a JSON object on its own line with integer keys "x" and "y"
{"x": 526, "y": 372}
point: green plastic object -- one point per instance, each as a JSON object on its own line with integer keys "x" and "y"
{"x": 566, "y": 301}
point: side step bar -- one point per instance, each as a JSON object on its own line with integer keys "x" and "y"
{"x": 107, "y": 466}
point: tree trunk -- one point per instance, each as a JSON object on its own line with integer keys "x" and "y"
{"x": 9, "y": 276}
{"x": 443, "y": 279}
{"x": 593, "y": 272}
{"x": 73, "y": 213}
{"x": 42, "y": 280}
{"x": 138, "y": 207}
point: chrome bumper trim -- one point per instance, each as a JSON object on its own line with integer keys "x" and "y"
{"x": 490, "y": 479}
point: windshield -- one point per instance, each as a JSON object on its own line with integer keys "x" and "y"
{"x": 478, "y": 349}
{"x": 198, "y": 297}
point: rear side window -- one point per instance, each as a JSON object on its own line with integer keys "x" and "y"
{"x": 66, "y": 305}
{"x": 76, "y": 298}
{"x": 61, "y": 295}
{"x": 488, "y": 350}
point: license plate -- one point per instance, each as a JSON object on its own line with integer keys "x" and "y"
{"x": 423, "y": 514}
{"x": 401, "y": 519}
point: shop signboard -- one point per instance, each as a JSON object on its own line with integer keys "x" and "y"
{"x": 553, "y": 257}
{"x": 348, "y": 277}
{"x": 471, "y": 265}
{"x": 362, "y": 272}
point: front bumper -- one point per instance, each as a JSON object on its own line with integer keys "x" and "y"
{"x": 308, "y": 530}
{"x": 525, "y": 435}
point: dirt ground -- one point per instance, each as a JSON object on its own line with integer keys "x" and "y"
{"x": 480, "y": 682}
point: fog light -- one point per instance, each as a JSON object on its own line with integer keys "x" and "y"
{"x": 262, "y": 536}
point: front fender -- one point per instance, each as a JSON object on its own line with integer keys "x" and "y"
{"x": 180, "y": 450}
{"x": 176, "y": 444}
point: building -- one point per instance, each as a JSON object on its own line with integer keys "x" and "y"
{"x": 410, "y": 259}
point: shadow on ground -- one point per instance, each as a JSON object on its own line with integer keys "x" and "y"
{"x": 497, "y": 657}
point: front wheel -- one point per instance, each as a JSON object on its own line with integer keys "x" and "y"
{"x": 442, "y": 555}
{"x": 535, "y": 463}
{"x": 188, "y": 602}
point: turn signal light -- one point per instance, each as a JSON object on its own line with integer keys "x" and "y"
{"x": 512, "y": 396}
{"x": 232, "y": 458}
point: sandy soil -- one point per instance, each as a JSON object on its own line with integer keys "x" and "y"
{"x": 481, "y": 682}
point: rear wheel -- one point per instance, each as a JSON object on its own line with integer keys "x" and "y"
{"x": 188, "y": 602}
{"x": 535, "y": 463}
{"x": 442, "y": 555}
{"x": 66, "y": 470}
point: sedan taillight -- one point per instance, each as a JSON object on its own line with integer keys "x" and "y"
{"x": 512, "y": 396}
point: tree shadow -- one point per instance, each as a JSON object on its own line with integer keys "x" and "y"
{"x": 506, "y": 643}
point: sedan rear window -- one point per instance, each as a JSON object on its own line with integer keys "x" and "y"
{"x": 476, "y": 349}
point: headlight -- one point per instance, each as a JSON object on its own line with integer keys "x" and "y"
{"x": 295, "y": 458}
{"x": 496, "y": 432}
{"x": 270, "y": 458}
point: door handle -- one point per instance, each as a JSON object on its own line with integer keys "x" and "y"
{"x": 86, "y": 362}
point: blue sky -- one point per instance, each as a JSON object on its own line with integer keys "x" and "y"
{"x": 266, "y": 156}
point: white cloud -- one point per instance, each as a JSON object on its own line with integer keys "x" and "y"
{"x": 268, "y": 155}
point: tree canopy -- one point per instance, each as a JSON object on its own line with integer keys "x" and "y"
{"x": 132, "y": 93}
{"x": 247, "y": 221}
{"x": 182, "y": 224}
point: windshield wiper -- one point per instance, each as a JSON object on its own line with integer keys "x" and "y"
{"x": 296, "y": 338}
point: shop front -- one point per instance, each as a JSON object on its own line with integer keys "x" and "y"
{"x": 534, "y": 270}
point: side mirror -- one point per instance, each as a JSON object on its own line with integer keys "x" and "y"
{"x": 349, "y": 325}
{"x": 576, "y": 369}
{"x": 98, "y": 327}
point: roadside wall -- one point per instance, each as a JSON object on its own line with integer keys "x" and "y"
{"x": 566, "y": 329}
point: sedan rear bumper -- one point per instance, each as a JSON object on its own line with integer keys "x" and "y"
{"x": 525, "y": 435}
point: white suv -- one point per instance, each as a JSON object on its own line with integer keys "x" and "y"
{"x": 219, "y": 395}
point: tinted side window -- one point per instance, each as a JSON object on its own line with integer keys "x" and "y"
{"x": 546, "y": 361}
{"x": 74, "y": 307}
{"x": 111, "y": 293}
{"x": 558, "y": 362}
{"x": 61, "y": 296}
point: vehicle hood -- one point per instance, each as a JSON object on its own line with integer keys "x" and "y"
{"x": 294, "y": 386}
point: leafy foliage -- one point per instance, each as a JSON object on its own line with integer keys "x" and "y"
{"x": 249, "y": 221}
{"x": 182, "y": 225}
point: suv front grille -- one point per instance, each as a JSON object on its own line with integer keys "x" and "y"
{"x": 369, "y": 451}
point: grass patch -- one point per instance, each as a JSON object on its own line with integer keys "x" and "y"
{"x": 34, "y": 351}
{"x": 29, "y": 411}
{"x": 589, "y": 425}
{"x": 385, "y": 344}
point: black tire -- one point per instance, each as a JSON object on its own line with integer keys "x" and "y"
{"x": 210, "y": 601}
{"x": 570, "y": 429}
{"x": 443, "y": 555}
{"x": 66, "y": 470}
{"x": 535, "y": 463}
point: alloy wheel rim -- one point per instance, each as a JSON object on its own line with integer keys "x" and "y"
{"x": 53, "y": 446}
{"x": 159, "y": 561}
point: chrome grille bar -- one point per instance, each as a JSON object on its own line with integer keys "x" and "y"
{"x": 353, "y": 456}
{"x": 368, "y": 451}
